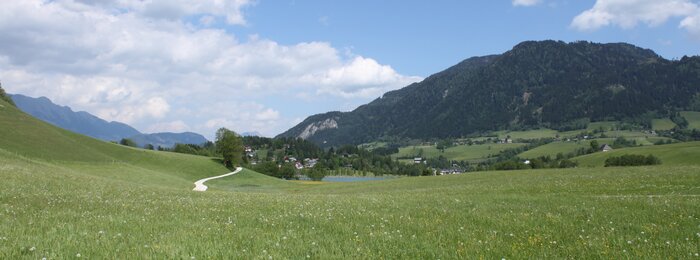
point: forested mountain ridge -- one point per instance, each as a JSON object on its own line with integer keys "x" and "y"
{"x": 536, "y": 84}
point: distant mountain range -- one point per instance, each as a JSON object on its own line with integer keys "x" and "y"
{"x": 90, "y": 125}
{"x": 536, "y": 84}
{"x": 168, "y": 139}
{"x": 250, "y": 134}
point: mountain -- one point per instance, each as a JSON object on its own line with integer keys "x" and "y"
{"x": 79, "y": 122}
{"x": 90, "y": 125}
{"x": 168, "y": 139}
{"x": 255, "y": 133}
{"x": 536, "y": 84}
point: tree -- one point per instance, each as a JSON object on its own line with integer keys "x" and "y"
{"x": 128, "y": 142}
{"x": 230, "y": 146}
{"x": 287, "y": 172}
{"x": 316, "y": 174}
{"x": 5, "y": 97}
{"x": 594, "y": 146}
{"x": 148, "y": 147}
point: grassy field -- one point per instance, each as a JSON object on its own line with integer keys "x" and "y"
{"x": 693, "y": 119}
{"x": 673, "y": 154}
{"x": 648, "y": 212}
{"x": 123, "y": 203}
{"x": 552, "y": 149}
{"x": 30, "y": 138}
{"x": 662, "y": 124}
{"x": 606, "y": 125}
{"x": 530, "y": 134}
{"x": 458, "y": 153}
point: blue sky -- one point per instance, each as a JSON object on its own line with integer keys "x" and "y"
{"x": 197, "y": 65}
{"x": 424, "y": 37}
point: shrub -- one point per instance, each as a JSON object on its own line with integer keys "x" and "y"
{"x": 316, "y": 174}
{"x": 128, "y": 142}
{"x": 632, "y": 160}
{"x": 566, "y": 163}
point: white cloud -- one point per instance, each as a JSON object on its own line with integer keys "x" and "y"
{"x": 141, "y": 61}
{"x": 526, "y": 2}
{"x": 361, "y": 77}
{"x": 174, "y": 126}
{"x": 242, "y": 117}
{"x": 629, "y": 13}
{"x": 172, "y": 9}
{"x": 692, "y": 24}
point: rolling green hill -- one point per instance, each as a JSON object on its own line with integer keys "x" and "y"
{"x": 671, "y": 154}
{"x": 552, "y": 149}
{"x": 693, "y": 119}
{"x": 70, "y": 196}
{"x": 27, "y": 137}
{"x": 477, "y": 152}
{"x": 662, "y": 124}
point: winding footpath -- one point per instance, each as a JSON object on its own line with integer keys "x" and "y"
{"x": 199, "y": 185}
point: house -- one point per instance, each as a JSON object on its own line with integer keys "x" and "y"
{"x": 310, "y": 163}
{"x": 299, "y": 166}
{"x": 527, "y": 162}
{"x": 605, "y": 148}
{"x": 417, "y": 160}
{"x": 450, "y": 171}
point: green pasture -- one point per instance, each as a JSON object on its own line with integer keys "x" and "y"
{"x": 457, "y": 153}
{"x": 693, "y": 119}
{"x": 65, "y": 196}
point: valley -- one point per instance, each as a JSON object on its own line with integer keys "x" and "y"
{"x": 65, "y": 195}
{"x": 538, "y": 164}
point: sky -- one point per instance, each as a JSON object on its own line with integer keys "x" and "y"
{"x": 263, "y": 65}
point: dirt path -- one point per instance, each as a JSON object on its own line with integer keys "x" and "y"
{"x": 199, "y": 185}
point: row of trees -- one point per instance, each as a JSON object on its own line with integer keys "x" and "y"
{"x": 632, "y": 160}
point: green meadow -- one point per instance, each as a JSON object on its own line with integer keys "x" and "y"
{"x": 693, "y": 119}
{"x": 69, "y": 196}
{"x": 662, "y": 124}
{"x": 530, "y": 134}
{"x": 476, "y": 152}
{"x": 670, "y": 154}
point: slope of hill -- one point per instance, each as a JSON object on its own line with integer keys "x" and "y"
{"x": 672, "y": 154}
{"x": 545, "y": 84}
{"x": 90, "y": 125}
{"x": 65, "y": 195}
{"x": 79, "y": 122}
{"x": 27, "y": 137}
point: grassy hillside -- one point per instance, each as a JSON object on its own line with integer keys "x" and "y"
{"x": 671, "y": 154}
{"x": 662, "y": 124}
{"x": 552, "y": 149}
{"x": 458, "y": 153}
{"x": 108, "y": 201}
{"x": 28, "y": 137}
{"x": 531, "y": 134}
{"x": 57, "y": 212}
{"x": 693, "y": 119}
